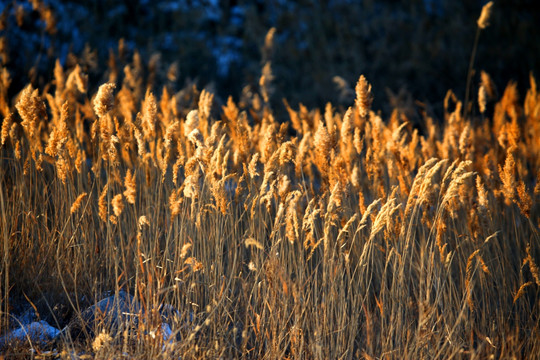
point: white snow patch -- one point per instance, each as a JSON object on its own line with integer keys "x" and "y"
{"x": 38, "y": 331}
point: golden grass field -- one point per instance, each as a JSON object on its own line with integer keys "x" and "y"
{"x": 329, "y": 234}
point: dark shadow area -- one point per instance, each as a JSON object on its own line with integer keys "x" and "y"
{"x": 422, "y": 47}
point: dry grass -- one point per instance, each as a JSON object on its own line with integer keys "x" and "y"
{"x": 334, "y": 234}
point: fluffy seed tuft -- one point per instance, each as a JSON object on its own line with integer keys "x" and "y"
{"x": 104, "y": 100}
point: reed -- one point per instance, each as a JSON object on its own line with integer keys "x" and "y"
{"x": 334, "y": 233}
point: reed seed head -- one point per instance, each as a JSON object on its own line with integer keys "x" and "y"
{"x": 364, "y": 98}
{"x": 483, "y": 20}
{"x": 104, "y": 100}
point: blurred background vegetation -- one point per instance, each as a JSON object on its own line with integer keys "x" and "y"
{"x": 409, "y": 50}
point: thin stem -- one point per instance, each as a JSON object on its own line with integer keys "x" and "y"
{"x": 470, "y": 72}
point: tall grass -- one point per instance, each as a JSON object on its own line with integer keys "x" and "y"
{"x": 329, "y": 234}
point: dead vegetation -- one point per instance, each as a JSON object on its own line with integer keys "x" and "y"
{"x": 328, "y": 234}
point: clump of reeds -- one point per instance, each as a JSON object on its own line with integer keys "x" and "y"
{"x": 335, "y": 234}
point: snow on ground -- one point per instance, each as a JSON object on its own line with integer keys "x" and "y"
{"x": 36, "y": 332}
{"x": 112, "y": 310}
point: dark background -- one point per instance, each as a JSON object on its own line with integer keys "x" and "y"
{"x": 421, "y": 47}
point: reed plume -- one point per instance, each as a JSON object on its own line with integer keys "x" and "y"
{"x": 117, "y": 204}
{"x": 483, "y": 20}
{"x": 364, "y": 98}
{"x": 31, "y": 109}
{"x": 535, "y": 270}
{"x": 130, "y": 184}
{"x": 102, "y": 204}
{"x": 149, "y": 116}
{"x": 77, "y": 203}
{"x": 104, "y": 100}
{"x": 482, "y": 98}
{"x": 191, "y": 123}
{"x": 6, "y": 127}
